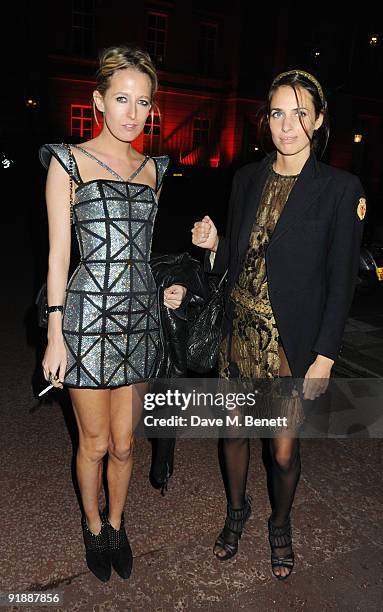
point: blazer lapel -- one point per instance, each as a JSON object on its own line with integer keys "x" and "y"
{"x": 252, "y": 197}
{"x": 306, "y": 190}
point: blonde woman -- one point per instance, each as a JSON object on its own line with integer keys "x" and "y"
{"x": 103, "y": 331}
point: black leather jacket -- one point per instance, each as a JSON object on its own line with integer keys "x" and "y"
{"x": 178, "y": 269}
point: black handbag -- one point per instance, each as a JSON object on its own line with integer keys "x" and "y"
{"x": 42, "y": 306}
{"x": 205, "y": 332}
{"x": 179, "y": 269}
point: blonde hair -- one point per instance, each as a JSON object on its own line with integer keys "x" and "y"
{"x": 119, "y": 58}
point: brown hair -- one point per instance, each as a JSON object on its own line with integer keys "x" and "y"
{"x": 119, "y": 58}
{"x": 296, "y": 79}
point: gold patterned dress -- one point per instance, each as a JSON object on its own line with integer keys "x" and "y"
{"x": 255, "y": 346}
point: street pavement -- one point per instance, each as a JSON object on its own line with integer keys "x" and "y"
{"x": 362, "y": 351}
{"x": 337, "y": 517}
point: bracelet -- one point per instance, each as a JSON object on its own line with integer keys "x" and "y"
{"x": 51, "y": 309}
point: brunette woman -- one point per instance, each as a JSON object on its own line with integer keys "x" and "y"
{"x": 292, "y": 250}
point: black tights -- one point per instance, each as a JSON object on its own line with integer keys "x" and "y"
{"x": 281, "y": 457}
{"x": 283, "y": 466}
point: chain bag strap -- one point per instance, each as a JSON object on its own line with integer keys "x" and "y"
{"x": 71, "y": 190}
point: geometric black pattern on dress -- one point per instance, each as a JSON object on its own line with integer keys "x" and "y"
{"x": 110, "y": 321}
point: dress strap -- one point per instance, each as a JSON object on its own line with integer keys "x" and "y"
{"x": 140, "y": 167}
{"x": 101, "y": 163}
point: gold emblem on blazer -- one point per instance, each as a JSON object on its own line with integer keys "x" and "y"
{"x": 362, "y": 207}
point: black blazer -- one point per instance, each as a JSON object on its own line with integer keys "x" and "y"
{"x": 311, "y": 260}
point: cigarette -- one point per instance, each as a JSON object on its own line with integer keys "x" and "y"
{"x": 45, "y": 390}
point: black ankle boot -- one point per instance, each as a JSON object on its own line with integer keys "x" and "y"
{"x": 97, "y": 551}
{"x": 121, "y": 556}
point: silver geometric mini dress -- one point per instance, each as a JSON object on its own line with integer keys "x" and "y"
{"x": 110, "y": 321}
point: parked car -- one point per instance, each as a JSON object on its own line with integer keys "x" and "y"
{"x": 371, "y": 262}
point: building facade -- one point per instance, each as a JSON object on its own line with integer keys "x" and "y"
{"x": 215, "y": 62}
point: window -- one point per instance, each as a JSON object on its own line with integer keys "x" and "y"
{"x": 251, "y": 149}
{"x": 153, "y": 127}
{"x": 207, "y": 47}
{"x": 201, "y": 129}
{"x": 157, "y": 30}
{"x": 83, "y": 27}
{"x": 152, "y": 133}
{"x": 81, "y": 121}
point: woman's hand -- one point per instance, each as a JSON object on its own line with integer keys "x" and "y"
{"x": 317, "y": 377}
{"x": 174, "y": 295}
{"x": 204, "y": 234}
{"x": 54, "y": 362}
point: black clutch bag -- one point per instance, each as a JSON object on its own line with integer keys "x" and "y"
{"x": 205, "y": 332}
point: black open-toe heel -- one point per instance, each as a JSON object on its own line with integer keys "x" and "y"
{"x": 161, "y": 482}
{"x": 162, "y": 463}
{"x": 120, "y": 552}
{"x": 97, "y": 551}
{"x": 280, "y": 537}
{"x": 232, "y": 531}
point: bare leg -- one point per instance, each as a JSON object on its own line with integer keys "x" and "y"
{"x": 126, "y": 406}
{"x": 92, "y": 412}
